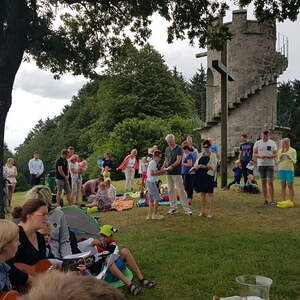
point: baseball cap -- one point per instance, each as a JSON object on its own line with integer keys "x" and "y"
{"x": 107, "y": 230}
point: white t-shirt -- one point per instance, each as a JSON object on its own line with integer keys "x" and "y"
{"x": 74, "y": 166}
{"x": 152, "y": 167}
{"x": 265, "y": 149}
{"x": 131, "y": 162}
{"x": 112, "y": 192}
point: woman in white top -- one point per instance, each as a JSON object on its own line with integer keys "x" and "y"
{"x": 76, "y": 177}
{"x": 10, "y": 173}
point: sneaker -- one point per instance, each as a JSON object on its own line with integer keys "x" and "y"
{"x": 148, "y": 217}
{"x": 172, "y": 211}
{"x": 188, "y": 212}
{"x": 157, "y": 217}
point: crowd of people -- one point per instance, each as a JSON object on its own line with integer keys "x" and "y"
{"x": 39, "y": 229}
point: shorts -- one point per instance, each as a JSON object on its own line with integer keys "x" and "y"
{"x": 286, "y": 176}
{"x": 144, "y": 175}
{"x": 153, "y": 192}
{"x": 61, "y": 184}
{"x": 109, "y": 277}
{"x": 266, "y": 172}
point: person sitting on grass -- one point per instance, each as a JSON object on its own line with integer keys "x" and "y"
{"x": 70, "y": 286}
{"x": 251, "y": 186}
{"x": 237, "y": 173}
{"x": 114, "y": 273}
{"x": 152, "y": 185}
{"x": 111, "y": 190}
{"x": 101, "y": 199}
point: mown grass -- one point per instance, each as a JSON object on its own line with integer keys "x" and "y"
{"x": 195, "y": 258}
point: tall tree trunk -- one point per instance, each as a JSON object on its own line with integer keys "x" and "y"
{"x": 15, "y": 18}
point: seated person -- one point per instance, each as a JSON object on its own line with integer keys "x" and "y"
{"x": 33, "y": 216}
{"x": 91, "y": 186}
{"x": 251, "y": 186}
{"x": 61, "y": 285}
{"x": 9, "y": 242}
{"x": 46, "y": 232}
{"x": 237, "y": 174}
{"x": 101, "y": 199}
{"x": 106, "y": 243}
{"x": 111, "y": 190}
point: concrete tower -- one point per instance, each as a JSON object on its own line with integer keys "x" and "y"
{"x": 255, "y": 58}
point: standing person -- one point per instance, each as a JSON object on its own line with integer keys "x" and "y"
{"x": 60, "y": 239}
{"x": 215, "y": 149}
{"x": 265, "y": 150}
{"x": 189, "y": 141}
{"x": 106, "y": 162}
{"x": 205, "y": 167}
{"x": 33, "y": 216}
{"x": 76, "y": 178}
{"x": 245, "y": 156}
{"x": 143, "y": 166}
{"x": 172, "y": 164}
{"x": 36, "y": 169}
{"x": 9, "y": 242}
{"x": 62, "y": 178}
{"x": 152, "y": 182}
{"x": 71, "y": 152}
{"x": 187, "y": 164}
{"x": 287, "y": 159}
{"x": 10, "y": 173}
{"x": 128, "y": 166}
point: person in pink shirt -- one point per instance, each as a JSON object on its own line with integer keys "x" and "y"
{"x": 128, "y": 166}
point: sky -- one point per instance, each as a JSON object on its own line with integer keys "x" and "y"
{"x": 36, "y": 95}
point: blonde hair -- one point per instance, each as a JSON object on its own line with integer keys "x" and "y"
{"x": 133, "y": 152}
{"x": 285, "y": 140}
{"x": 69, "y": 286}
{"x": 73, "y": 158}
{"x": 10, "y": 160}
{"x": 8, "y": 232}
{"x": 40, "y": 192}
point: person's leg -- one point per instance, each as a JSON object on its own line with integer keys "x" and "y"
{"x": 67, "y": 190}
{"x": 202, "y": 204}
{"x": 271, "y": 189}
{"x": 182, "y": 194}
{"x": 74, "y": 190}
{"x": 155, "y": 208}
{"x": 230, "y": 184}
{"x": 244, "y": 170}
{"x": 126, "y": 172}
{"x": 291, "y": 191}
{"x": 151, "y": 209}
{"x": 263, "y": 177}
{"x": 126, "y": 255}
{"x": 172, "y": 192}
{"x": 210, "y": 197}
{"x": 58, "y": 192}
{"x": 283, "y": 191}
{"x": 188, "y": 186}
{"x": 79, "y": 183}
{"x": 116, "y": 272}
{"x": 132, "y": 178}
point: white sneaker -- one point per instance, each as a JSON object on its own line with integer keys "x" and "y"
{"x": 148, "y": 217}
{"x": 188, "y": 212}
{"x": 157, "y": 217}
{"x": 172, "y": 211}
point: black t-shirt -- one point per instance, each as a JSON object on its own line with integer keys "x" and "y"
{"x": 61, "y": 162}
{"x": 246, "y": 150}
{"x": 26, "y": 254}
{"x": 171, "y": 156}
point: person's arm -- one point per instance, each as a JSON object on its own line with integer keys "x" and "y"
{"x": 42, "y": 168}
{"x": 255, "y": 153}
{"x": 213, "y": 162}
{"x": 93, "y": 188}
{"x": 189, "y": 163}
{"x": 177, "y": 162}
{"x": 64, "y": 238}
{"x": 30, "y": 167}
{"x": 293, "y": 156}
{"x": 16, "y": 172}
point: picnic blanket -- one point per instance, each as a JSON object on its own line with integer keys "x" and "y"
{"x": 144, "y": 203}
{"x": 120, "y": 205}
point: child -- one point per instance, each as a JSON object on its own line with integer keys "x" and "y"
{"x": 101, "y": 199}
{"x": 143, "y": 165}
{"x": 237, "y": 173}
{"x": 115, "y": 268}
{"x": 153, "y": 190}
{"x": 251, "y": 186}
{"x": 106, "y": 173}
{"x": 83, "y": 166}
{"x": 250, "y": 167}
{"x": 111, "y": 190}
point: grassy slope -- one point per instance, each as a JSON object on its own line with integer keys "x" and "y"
{"x": 195, "y": 258}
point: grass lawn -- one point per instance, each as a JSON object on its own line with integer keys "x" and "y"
{"x": 196, "y": 258}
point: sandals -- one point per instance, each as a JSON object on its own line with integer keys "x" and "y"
{"x": 134, "y": 289}
{"x": 147, "y": 283}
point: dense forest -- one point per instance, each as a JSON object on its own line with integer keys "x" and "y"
{"x": 134, "y": 104}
